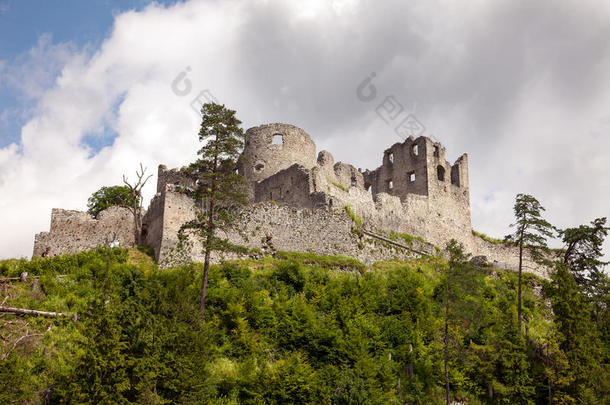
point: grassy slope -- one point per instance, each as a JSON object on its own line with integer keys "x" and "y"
{"x": 302, "y": 328}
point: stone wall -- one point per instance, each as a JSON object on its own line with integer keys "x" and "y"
{"x": 299, "y": 204}
{"x": 173, "y": 176}
{"x": 292, "y": 186}
{"x": 76, "y": 231}
{"x": 442, "y": 215}
{"x": 152, "y": 223}
{"x": 505, "y": 257}
{"x": 284, "y": 227}
{"x": 319, "y": 231}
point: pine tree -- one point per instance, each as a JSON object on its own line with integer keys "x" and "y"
{"x": 531, "y": 231}
{"x": 583, "y": 251}
{"x": 459, "y": 287}
{"x": 579, "y": 338}
{"x": 220, "y": 190}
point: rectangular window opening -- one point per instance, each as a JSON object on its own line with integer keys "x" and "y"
{"x": 278, "y": 139}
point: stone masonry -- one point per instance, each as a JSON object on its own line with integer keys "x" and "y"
{"x": 298, "y": 202}
{"x": 76, "y": 231}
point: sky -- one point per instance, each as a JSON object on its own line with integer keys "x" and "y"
{"x": 89, "y": 89}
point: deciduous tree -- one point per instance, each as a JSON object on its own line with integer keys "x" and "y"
{"x": 135, "y": 206}
{"x": 107, "y": 197}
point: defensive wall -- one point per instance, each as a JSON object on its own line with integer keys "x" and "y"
{"x": 75, "y": 231}
{"x": 298, "y": 202}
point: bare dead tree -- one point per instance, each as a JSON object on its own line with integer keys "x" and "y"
{"x": 136, "y": 207}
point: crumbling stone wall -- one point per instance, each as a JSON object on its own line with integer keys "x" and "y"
{"x": 433, "y": 207}
{"x": 284, "y": 228}
{"x": 173, "y": 176}
{"x": 76, "y": 231}
{"x": 325, "y": 232}
{"x": 505, "y": 256}
{"x": 298, "y": 204}
{"x": 292, "y": 186}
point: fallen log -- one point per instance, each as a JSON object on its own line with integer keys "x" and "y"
{"x": 23, "y": 311}
{"x": 23, "y": 279}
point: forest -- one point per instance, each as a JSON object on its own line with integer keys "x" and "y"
{"x": 299, "y": 329}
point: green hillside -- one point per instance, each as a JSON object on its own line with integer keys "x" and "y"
{"x": 297, "y": 329}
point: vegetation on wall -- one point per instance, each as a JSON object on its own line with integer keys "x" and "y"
{"x": 407, "y": 238}
{"x": 488, "y": 238}
{"x": 357, "y": 219}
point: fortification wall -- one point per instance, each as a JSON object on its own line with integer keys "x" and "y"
{"x": 438, "y": 217}
{"x": 285, "y": 228}
{"x": 505, "y": 256}
{"x": 76, "y": 231}
{"x": 325, "y": 232}
{"x": 414, "y": 191}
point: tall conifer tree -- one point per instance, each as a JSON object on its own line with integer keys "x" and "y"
{"x": 220, "y": 190}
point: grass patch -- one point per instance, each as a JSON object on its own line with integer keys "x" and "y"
{"x": 406, "y": 237}
{"x": 488, "y": 238}
{"x": 147, "y": 250}
{"x": 352, "y": 214}
{"x": 326, "y": 262}
{"x": 143, "y": 258}
{"x": 339, "y": 186}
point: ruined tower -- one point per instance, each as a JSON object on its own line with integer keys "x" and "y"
{"x": 274, "y": 147}
{"x": 418, "y": 166}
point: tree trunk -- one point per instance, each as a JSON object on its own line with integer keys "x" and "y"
{"x": 446, "y": 350}
{"x": 519, "y": 291}
{"x": 22, "y": 311}
{"x": 137, "y": 221}
{"x": 204, "y": 283}
{"x": 549, "y": 378}
{"x": 210, "y": 235}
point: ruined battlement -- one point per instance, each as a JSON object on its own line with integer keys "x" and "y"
{"x": 75, "y": 231}
{"x": 415, "y": 190}
{"x": 299, "y": 200}
{"x": 417, "y": 166}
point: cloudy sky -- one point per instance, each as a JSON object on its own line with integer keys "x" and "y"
{"x": 90, "y": 89}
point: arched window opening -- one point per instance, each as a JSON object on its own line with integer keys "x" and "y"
{"x": 455, "y": 176}
{"x": 440, "y": 173}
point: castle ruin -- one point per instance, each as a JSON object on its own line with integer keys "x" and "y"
{"x": 298, "y": 201}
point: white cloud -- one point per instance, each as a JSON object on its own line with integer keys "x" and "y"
{"x": 520, "y": 86}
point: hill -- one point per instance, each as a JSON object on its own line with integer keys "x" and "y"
{"x": 298, "y": 328}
